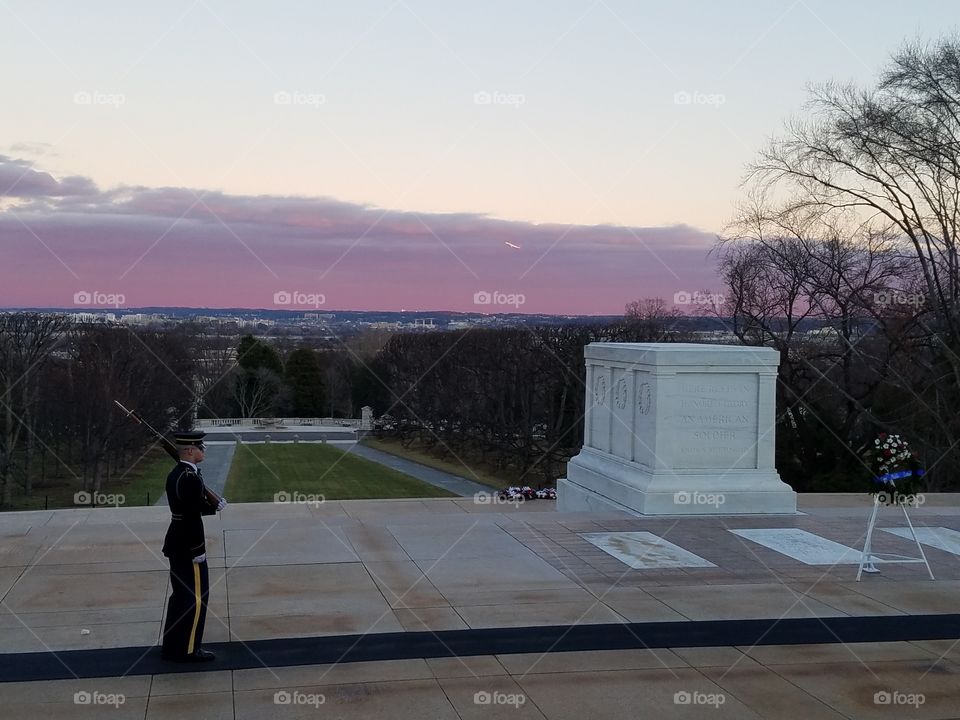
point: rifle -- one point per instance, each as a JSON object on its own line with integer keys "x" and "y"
{"x": 212, "y": 499}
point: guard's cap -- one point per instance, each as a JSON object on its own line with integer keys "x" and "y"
{"x": 193, "y": 438}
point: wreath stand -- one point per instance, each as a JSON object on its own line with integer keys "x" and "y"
{"x": 867, "y": 556}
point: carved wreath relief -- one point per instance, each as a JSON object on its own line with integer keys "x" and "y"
{"x": 600, "y": 390}
{"x": 620, "y": 393}
{"x": 644, "y": 398}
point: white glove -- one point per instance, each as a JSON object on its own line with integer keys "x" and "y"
{"x": 222, "y": 504}
{"x": 200, "y": 558}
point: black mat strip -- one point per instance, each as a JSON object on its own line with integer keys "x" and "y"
{"x": 116, "y": 662}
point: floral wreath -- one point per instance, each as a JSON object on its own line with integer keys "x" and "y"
{"x": 896, "y": 473}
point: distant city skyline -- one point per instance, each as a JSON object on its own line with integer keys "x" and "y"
{"x": 562, "y": 159}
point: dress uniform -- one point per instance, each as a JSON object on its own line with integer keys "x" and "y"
{"x": 185, "y": 546}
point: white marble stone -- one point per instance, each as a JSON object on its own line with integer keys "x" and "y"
{"x": 678, "y": 429}
{"x": 645, "y": 551}
{"x": 804, "y": 546}
{"x": 937, "y": 537}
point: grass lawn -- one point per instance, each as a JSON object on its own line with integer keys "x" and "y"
{"x": 144, "y": 481}
{"x": 472, "y": 471}
{"x": 261, "y": 471}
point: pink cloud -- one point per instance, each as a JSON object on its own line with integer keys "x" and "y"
{"x": 181, "y": 246}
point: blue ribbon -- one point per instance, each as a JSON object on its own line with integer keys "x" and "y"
{"x": 890, "y": 477}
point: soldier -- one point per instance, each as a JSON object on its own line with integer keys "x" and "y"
{"x": 185, "y": 547}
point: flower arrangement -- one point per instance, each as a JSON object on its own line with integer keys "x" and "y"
{"x": 527, "y": 493}
{"x": 896, "y": 472}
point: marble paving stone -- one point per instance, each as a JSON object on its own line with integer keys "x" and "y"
{"x": 201, "y": 705}
{"x": 939, "y": 537}
{"x": 916, "y": 597}
{"x": 941, "y": 649}
{"x": 578, "y": 613}
{"x": 522, "y": 664}
{"x": 801, "y": 545}
{"x": 20, "y": 523}
{"x": 188, "y": 683}
{"x": 765, "y": 692}
{"x": 351, "y": 615}
{"x": 521, "y": 572}
{"x": 842, "y": 598}
{"x": 702, "y": 657}
{"x": 62, "y": 691}
{"x": 628, "y": 695}
{"x": 35, "y": 592}
{"x": 408, "y": 698}
{"x": 43, "y": 639}
{"x": 288, "y": 546}
{"x": 375, "y": 544}
{"x": 131, "y": 709}
{"x": 77, "y": 618}
{"x": 858, "y": 653}
{"x": 404, "y": 585}
{"x": 331, "y": 674}
{"x": 278, "y": 584}
{"x": 520, "y": 597}
{"x": 731, "y": 602}
{"x": 18, "y": 552}
{"x": 107, "y": 545}
{"x": 157, "y": 514}
{"x": 158, "y": 563}
{"x": 429, "y": 618}
{"x": 637, "y": 605}
{"x": 262, "y": 516}
{"x": 470, "y": 666}
{"x": 466, "y": 540}
{"x": 496, "y": 698}
{"x": 854, "y": 693}
{"x": 383, "y": 512}
{"x": 644, "y": 550}
{"x": 8, "y": 576}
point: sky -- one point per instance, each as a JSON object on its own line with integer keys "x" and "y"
{"x": 560, "y": 156}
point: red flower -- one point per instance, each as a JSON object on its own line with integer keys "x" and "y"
{"x": 888, "y": 453}
{"x": 882, "y": 436}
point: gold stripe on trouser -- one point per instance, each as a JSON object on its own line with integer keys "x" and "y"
{"x": 196, "y": 614}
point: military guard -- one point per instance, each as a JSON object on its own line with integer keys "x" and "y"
{"x": 185, "y": 546}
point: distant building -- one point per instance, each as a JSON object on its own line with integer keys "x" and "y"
{"x": 89, "y": 317}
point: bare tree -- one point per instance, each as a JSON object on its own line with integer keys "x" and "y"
{"x": 257, "y": 393}
{"x": 891, "y": 154}
{"x": 27, "y": 341}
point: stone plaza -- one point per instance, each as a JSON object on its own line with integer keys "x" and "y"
{"x": 480, "y": 605}
{"x": 679, "y": 577}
